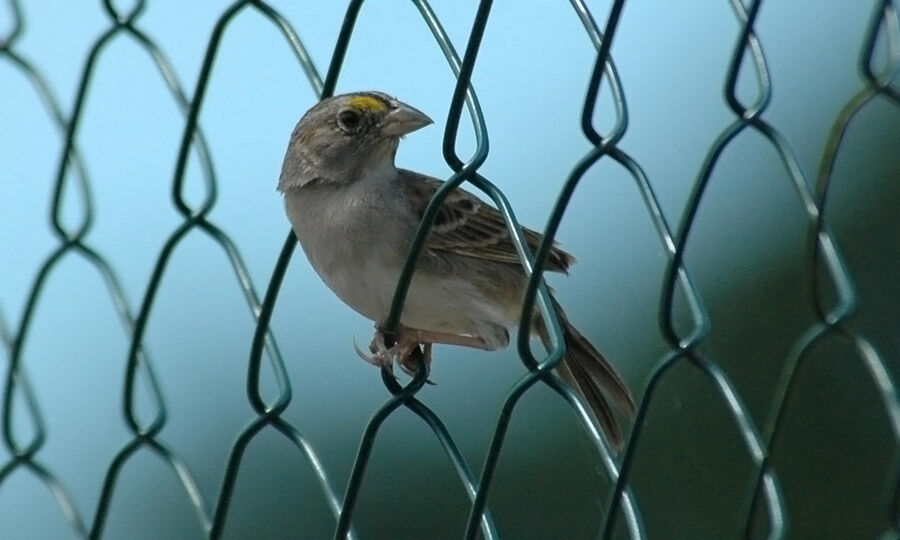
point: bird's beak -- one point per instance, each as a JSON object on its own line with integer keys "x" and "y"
{"x": 404, "y": 119}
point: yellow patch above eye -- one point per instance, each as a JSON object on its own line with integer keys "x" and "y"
{"x": 366, "y": 103}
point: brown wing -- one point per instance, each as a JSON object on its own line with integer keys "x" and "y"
{"x": 467, "y": 226}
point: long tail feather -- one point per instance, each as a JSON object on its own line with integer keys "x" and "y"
{"x": 585, "y": 368}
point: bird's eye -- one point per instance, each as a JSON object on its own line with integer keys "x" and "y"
{"x": 349, "y": 120}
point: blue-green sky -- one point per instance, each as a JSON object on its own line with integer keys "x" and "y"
{"x": 530, "y": 78}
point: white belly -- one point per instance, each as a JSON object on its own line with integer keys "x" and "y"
{"x": 442, "y": 305}
{"x": 342, "y": 252}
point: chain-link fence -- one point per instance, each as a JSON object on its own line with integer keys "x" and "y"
{"x": 770, "y": 504}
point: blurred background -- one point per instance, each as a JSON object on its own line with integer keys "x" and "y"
{"x": 748, "y": 253}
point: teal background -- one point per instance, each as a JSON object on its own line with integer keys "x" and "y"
{"x": 747, "y": 253}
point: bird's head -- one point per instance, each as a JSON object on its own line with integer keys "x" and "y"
{"x": 342, "y": 136}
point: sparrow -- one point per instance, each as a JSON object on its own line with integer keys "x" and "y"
{"x": 355, "y": 215}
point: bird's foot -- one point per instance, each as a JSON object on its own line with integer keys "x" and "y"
{"x": 411, "y": 362}
{"x": 405, "y": 351}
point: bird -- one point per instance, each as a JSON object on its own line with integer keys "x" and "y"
{"x": 355, "y": 214}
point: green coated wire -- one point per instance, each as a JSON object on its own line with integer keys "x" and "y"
{"x": 824, "y": 253}
{"x": 828, "y": 272}
{"x": 405, "y": 395}
{"x": 686, "y": 347}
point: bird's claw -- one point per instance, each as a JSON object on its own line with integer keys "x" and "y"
{"x": 405, "y": 352}
{"x": 410, "y": 362}
{"x": 376, "y": 358}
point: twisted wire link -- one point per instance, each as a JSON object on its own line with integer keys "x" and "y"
{"x": 747, "y": 116}
{"x": 534, "y": 268}
{"x": 464, "y": 171}
{"x": 825, "y": 255}
{"x": 143, "y": 430}
{"x": 71, "y": 239}
{"x": 401, "y": 395}
{"x": 196, "y": 218}
{"x": 763, "y": 486}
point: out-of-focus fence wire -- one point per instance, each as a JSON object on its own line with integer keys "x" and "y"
{"x": 833, "y": 294}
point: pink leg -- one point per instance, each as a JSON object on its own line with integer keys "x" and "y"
{"x": 427, "y": 336}
{"x": 407, "y": 339}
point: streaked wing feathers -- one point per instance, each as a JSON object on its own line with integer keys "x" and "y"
{"x": 467, "y": 226}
